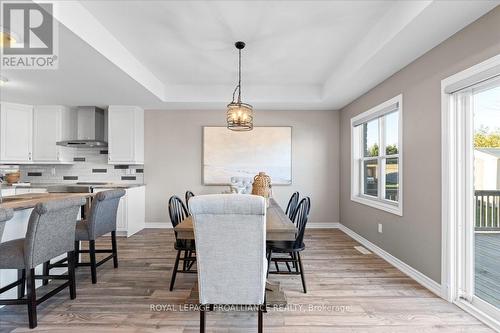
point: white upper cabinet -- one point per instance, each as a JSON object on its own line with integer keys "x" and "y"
{"x": 125, "y": 134}
{"x": 16, "y": 133}
{"x": 51, "y": 123}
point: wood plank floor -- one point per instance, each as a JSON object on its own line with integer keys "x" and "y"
{"x": 349, "y": 292}
{"x": 487, "y": 267}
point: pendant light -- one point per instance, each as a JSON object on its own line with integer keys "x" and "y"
{"x": 239, "y": 114}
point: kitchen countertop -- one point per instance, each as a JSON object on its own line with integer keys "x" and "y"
{"x": 45, "y": 185}
{"x": 29, "y": 200}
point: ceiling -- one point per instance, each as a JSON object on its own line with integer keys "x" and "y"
{"x": 181, "y": 55}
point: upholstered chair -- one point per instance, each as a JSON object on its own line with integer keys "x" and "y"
{"x": 5, "y": 215}
{"x": 51, "y": 233}
{"x": 229, "y": 229}
{"x": 101, "y": 221}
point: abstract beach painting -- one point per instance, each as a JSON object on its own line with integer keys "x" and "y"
{"x": 229, "y": 154}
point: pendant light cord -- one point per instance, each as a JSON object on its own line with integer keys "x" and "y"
{"x": 238, "y": 87}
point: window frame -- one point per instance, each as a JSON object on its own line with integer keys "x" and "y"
{"x": 358, "y": 158}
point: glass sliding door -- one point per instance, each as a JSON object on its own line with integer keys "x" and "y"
{"x": 485, "y": 105}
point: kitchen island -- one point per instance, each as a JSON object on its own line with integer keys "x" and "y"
{"x": 15, "y": 228}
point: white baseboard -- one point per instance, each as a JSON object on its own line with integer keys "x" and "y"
{"x": 312, "y": 225}
{"x": 158, "y": 225}
{"x": 422, "y": 279}
{"x": 323, "y": 225}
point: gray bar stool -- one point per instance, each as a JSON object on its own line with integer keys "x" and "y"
{"x": 5, "y": 215}
{"x": 102, "y": 220}
{"x": 51, "y": 233}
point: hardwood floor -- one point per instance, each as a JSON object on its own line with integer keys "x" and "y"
{"x": 351, "y": 292}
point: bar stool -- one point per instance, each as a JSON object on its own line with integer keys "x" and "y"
{"x": 51, "y": 233}
{"x": 101, "y": 221}
{"x": 5, "y": 215}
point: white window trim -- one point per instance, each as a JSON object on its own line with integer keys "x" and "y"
{"x": 457, "y": 189}
{"x": 356, "y": 194}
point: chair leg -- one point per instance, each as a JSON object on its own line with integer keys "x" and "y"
{"x": 202, "y": 319}
{"x": 31, "y": 301}
{"x": 93, "y": 263}
{"x": 71, "y": 275}
{"x": 269, "y": 257}
{"x": 302, "y": 273}
{"x": 260, "y": 320}
{"x": 174, "y": 272}
{"x": 77, "y": 253}
{"x": 45, "y": 272}
{"x": 115, "y": 249}
{"x": 21, "y": 275}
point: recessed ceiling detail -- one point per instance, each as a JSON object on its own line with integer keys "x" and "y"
{"x": 177, "y": 54}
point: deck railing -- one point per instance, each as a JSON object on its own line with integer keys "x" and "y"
{"x": 487, "y": 210}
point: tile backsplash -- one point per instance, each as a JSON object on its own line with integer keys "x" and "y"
{"x": 89, "y": 165}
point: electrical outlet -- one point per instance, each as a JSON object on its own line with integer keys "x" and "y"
{"x": 380, "y": 228}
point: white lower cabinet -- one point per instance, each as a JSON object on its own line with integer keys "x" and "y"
{"x": 131, "y": 214}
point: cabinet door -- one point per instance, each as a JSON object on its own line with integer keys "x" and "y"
{"x": 16, "y": 132}
{"x": 121, "y": 135}
{"x": 46, "y": 132}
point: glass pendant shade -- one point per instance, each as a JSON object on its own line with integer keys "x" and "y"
{"x": 239, "y": 117}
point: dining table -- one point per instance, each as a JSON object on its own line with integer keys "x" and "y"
{"x": 279, "y": 227}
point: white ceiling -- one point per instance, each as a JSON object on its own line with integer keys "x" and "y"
{"x": 180, "y": 54}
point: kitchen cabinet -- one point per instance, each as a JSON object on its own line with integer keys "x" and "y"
{"x": 131, "y": 214}
{"x": 16, "y": 133}
{"x": 51, "y": 123}
{"x": 125, "y": 135}
{"x": 8, "y": 192}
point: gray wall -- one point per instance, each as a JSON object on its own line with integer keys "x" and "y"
{"x": 173, "y": 157}
{"x": 415, "y": 238}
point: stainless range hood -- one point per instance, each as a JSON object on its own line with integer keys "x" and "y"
{"x": 91, "y": 126}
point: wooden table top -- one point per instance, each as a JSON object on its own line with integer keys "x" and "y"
{"x": 278, "y": 225}
{"x": 29, "y": 200}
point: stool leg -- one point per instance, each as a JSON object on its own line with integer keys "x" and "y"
{"x": 45, "y": 272}
{"x": 115, "y": 249}
{"x": 71, "y": 275}
{"x": 21, "y": 275}
{"x": 93, "y": 263}
{"x": 31, "y": 301}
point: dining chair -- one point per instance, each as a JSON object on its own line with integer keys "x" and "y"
{"x": 188, "y": 196}
{"x": 292, "y": 248}
{"x": 51, "y": 233}
{"x": 101, "y": 221}
{"x": 178, "y": 212}
{"x": 230, "y": 228}
{"x": 292, "y": 205}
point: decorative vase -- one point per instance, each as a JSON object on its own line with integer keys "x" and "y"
{"x": 262, "y": 185}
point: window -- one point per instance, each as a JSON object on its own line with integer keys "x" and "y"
{"x": 376, "y": 163}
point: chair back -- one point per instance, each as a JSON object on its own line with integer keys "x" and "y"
{"x": 301, "y": 217}
{"x": 292, "y": 205}
{"x": 176, "y": 210}
{"x": 102, "y": 218}
{"x": 51, "y": 230}
{"x": 188, "y": 196}
{"x": 5, "y": 215}
{"x": 230, "y": 236}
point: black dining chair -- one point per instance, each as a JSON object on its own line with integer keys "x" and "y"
{"x": 188, "y": 196}
{"x": 178, "y": 212}
{"x": 291, "y": 248}
{"x": 292, "y": 205}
